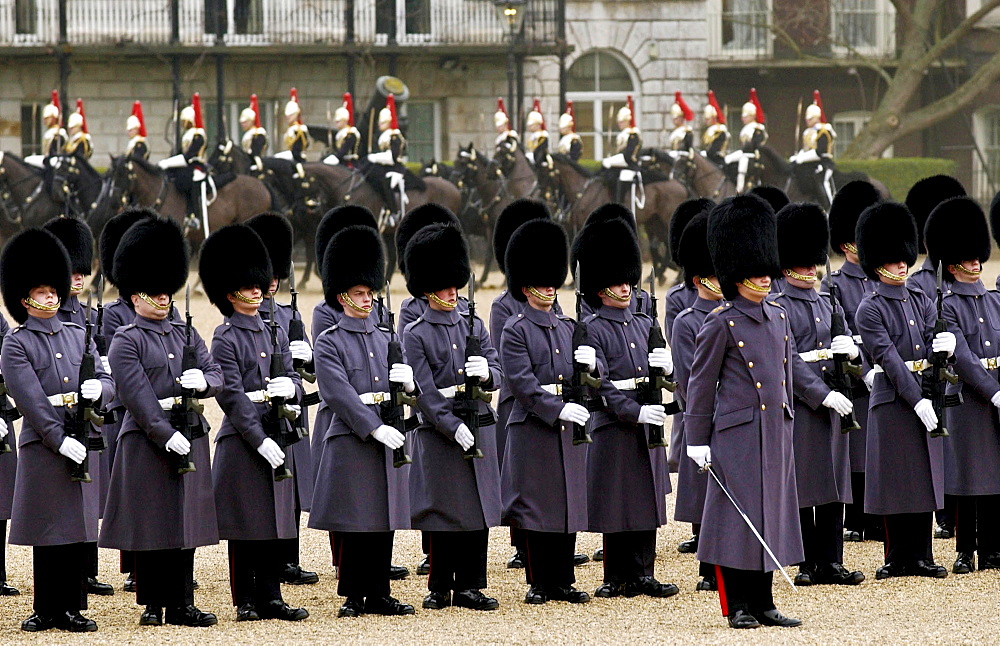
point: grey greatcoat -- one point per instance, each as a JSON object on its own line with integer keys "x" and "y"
{"x": 504, "y": 306}
{"x": 42, "y": 358}
{"x": 447, "y": 491}
{"x": 740, "y": 404}
{"x": 543, "y": 482}
{"x": 627, "y": 482}
{"x": 8, "y": 461}
{"x": 249, "y": 504}
{"x": 150, "y": 506}
{"x": 679, "y": 298}
{"x": 323, "y": 317}
{"x": 357, "y": 488}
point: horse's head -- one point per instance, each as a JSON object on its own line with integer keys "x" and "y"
{"x": 121, "y": 177}
{"x": 430, "y": 168}
{"x": 467, "y": 164}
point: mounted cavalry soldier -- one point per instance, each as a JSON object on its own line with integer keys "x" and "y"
{"x": 54, "y": 138}
{"x": 347, "y": 139}
{"x": 392, "y": 147}
{"x": 135, "y": 127}
{"x": 507, "y": 137}
{"x": 753, "y": 135}
{"x": 715, "y": 139}
{"x": 187, "y": 169}
{"x": 814, "y": 162}
{"x": 79, "y": 146}
{"x": 296, "y": 136}
{"x": 537, "y": 140}
{"x": 627, "y": 146}
{"x": 570, "y": 143}
{"x": 681, "y": 140}
{"x": 254, "y": 140}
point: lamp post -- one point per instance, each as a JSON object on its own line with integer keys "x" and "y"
{"x": 511, "y": 13}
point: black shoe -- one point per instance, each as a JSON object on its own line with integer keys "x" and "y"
{"x": 743, "y": 619}
{"x": 474, "y": 600}
{"x": 707, "y": 584}
{"x": 129, "y": 585}
{"x": 194, "y": 584}
{"x": 437, "y": 601}
{"x": 276, "y": 609}
{"x": 36, "y": 623}
{"x": 151, "y": 616}
{"x": 536, "y": 596}
{"x": 940, "y": 531}
{"x": 598, "y": 554}
{"x": 74, "y": 622}
{"x": 650, "y": 587}
{"x": 990, "y": 561}
{"x": 568, "y": 593}
{"x": 774, "y": 618}
{"x": 247, "y": 612}
{"x": 516, "y": 562}
{"x": 8, "y": 590}
{"x": 890, "y": 570}
{"x": 928, "y": 569}
{"x": 398, "y": 572}
{"x": 425, "y": 566}
{"x": 835, "y": 574}
{"x": 388, "y": 606}
{"x": 96, "y": 587}
{"x": 610, "y": 590}
{"x": 580, "y": 559}
{"x": 853, "y": 536}
{"x": 964, "y": 564}
{"x": 805, "y": 575}
{"x": 352, "y": 608}
{"x": 690, "y": 546}
{"x": 190, "y": 616}
{"x": 293, "y": 574}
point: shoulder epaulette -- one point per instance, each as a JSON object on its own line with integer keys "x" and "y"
{"x": 71, "y": 324}
{"x": 332, "y": 328}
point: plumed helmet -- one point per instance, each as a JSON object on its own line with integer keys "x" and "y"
{"x": 500, "y": 116}
{"x": 293, "y": 108}
{"x": 78, "y": 240}
{"x": 956, "y": 231}
{"x": 535, "y": 117}
{"x": 32, "y": 258}
{"x": 417, "y": 219}
{"x": 803, "y": 235}
{"x": 536, "y": 257}
{"x": 139, "y": 122}
{"x": 336, "y": 220}
{"x": 75, "y": 120}
{"x": 52, "y": 110}
{"x": 566, "y": 119}
{"x": 513, "y": 216}
{"x": 713, "y": 110}
{"x": 928, "y": 193}
{"x": 608, "y": 253}
{"x": 276, "y": 232}
{"x": 132, "y": 122}
{"x": 111, "y": 236}
{"x": 247, "y": 115}
{"x": 684, "y": 213}
{"x": 853, "y": 198}
{"x": 772, "y": 195}
{"x": 232, "y": 258}
{"x": 152, "y": 258}
{"x": 693, "y": 256}
{"x": 743, "y": 241}
{"x": 886, "y": 233}
{"x": 437, "y": 257}
{"x": 353, "y": 257}
{"x": 187, "y": 114}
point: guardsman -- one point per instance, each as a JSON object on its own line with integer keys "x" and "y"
{"x": 297, "y": 134}
{"x": 255, "y": 511}
{"x": 738, "y": 421}
{"x": 54, "y": 138}
{"x": 52, "y": 511}
{"x": 694, "y": 259}
{"x": 79, "y": 144}
{"x": 392, "y": 147}
{"x": 537, "y": 140}
{"x": 753, "y": 135}
{"x": 153, "y": 510}
{"x": 135, "y": 127}
{"x": 543, "y": 478}
{"x": 822, "y": 450}
{"x": 276, "y": 232}
{"x": 507, "y": 137}
{"x": 905, "y": 465}
{"x": 347, "y": 139}
{"x": 815, "y": 158}
{"x": 570, "y": 143}
{"x": 254, "y": 140}
{"x": 681, "y": 139}
{"x": 627, "y": 481}
{"x": 628, "y": 142}
{"x": 187, "y": 168}
{"x": 715, "y": 139}
{"x": 852, "y": 286}
{"x": 8, "y": 470}
{"x": 957, "y": 238}
{"x": 454, "y": 499}
{"x": 359, "y": 495}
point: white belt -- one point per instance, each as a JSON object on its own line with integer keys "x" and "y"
{"x": 451, "y": 391}
{"x": 913, "y": 366}
{"x": 816, "y": 355}
{"x": 553, "y": 389}
{"x": 990, "y": 364}
{"x": 629, "y": 384}
{"x": 168, "y": 403}
{"x": 258, "y": 396}
{"x": 857, "y": 339}
{"x": 63, "y": 399}
{"x": 374, "y": 398}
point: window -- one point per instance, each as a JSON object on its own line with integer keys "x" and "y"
{"x": 213, "y": 8}
{"x": 25, "y": 17}
{"x": 739, "y": 28}
{"x": 847, "y": 125}
{"x": 597, "y": 84}
{"x": 986, "y": 156}
{"x": 248, "y": 16}
{"x": 422, "y": 131}
{"x": 232, "y": 111}
{"x": 402, "y": 20}
{"x": 864, "y": 26}
{"x": 31, "y": 129}
{"x": 991, "y": 19}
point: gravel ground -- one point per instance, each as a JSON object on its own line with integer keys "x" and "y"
{"x": 959, "y": 609}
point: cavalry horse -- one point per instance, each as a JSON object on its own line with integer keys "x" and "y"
{"x": 777, "y": 171}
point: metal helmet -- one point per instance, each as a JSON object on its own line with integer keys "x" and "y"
{"x": 292, "y": 108}
{"x": 500, "y": 116}
{"x": 187, "y": 115}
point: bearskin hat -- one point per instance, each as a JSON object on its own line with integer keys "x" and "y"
{"x": 693, "y": 256}
{"x": 772, "y": 195}
{"x": 232, "y": 258}
{"x": 995, "y": 217}
{"x": 111, "y": 236}
{"x": 276, "y": 232}
{"x": 743, "y": 241}
{"x": 608, "y": 253}
{"x": 536, "y": 257}
{"x": 683, "y": 214}
{"x": 886, "y": 233}
{"x": 514, "y": 215}
{"x": 78, "y": 240}
{"x": 956, "y": 230}
{"x": 416, "y": 220}
{"x": 853, "y": 198}
{"x": 437, "y": 257}
{"x": 336, "y": 220}
{"x": 354, "y": 256}
{"x": 152, "y": 258}
{"x": 32, "y": 258}
{"x": 612, "y": 211}
{"x": 803, "y": 235}
{"x": 925, "y": 195}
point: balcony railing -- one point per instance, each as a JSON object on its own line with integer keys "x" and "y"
{"x": 272, "y": 22}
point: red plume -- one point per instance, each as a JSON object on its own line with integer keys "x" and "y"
{"x": 756, "y": 104}
{"x": 679, "y": 100}
{"x": 569, "y": 111}
{"x": 196, "y": 104}
{"x": 390, "y": 102}
{"x": 720, "y": 116}
{"x": 349, "y": 105}
{"x": 631, "y": 110}
{"x": 294, "y": 96}
{"x": 255, "y": 106}
{"x": 537, "y": 107}
{"x": 83, "y": 117}
{"x": 55, "y": 102}
{"x": 137, "y": 113}
{"x": 500, "y": 107}
{"x": 819, "y": 103}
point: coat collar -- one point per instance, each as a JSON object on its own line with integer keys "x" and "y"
{"x": 897, "y": 292}
{"x": 853, "y": 270}
{"x": 966, "y": 289}
{"x": 159, "y": 327}
{"x": 756, "y": 311}
{"x": 47, "y": 326}
{"x": 540, "y": 318}
{"x": 451, "y": 317}
{"x": 705, "y": 305}
{"x": 615, "y": 314}
{"x": 253, "y": 323}
{"x": 800, "y": 293}
{"x": 365, "y": 325}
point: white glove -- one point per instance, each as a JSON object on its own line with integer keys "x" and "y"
{"x": 194, "y": 379}
{"x": 794, "y": 159}
{"x": 652, "y": 414}
{"x": 389, "y": 436}
{"x": 701, "y": 454}
{"x": 3, "y": 428}
{"x": 179, "y": 444}
{"x": 995, "y": 400}
{"x": 925, "y": 411}
{"x": 587, "y": 356}
{"x": 464, "y": 437}
{"x": 661, "y": 358}
{"x": 869, "y": 379}
{"x": 476, "y": 366}
{"x": 301, "y": 350}
{"x": 271, "y": 452}
{"x": 844, "y": 344}
{"x": 295, "y": 408}
{"x": 73, "y": 450}
{"x": 842, "y": 405}
{"x": 401, "y": 373}
{"x": 574, "y": 413}
{"x": 106, "y": 364}
{"x": 281, "y": 387}
{"x": 91, "y": 389}
{"x": 944, "y": 342}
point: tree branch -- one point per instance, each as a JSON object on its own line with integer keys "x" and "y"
{"x": 939, "y": 48}
{"x": 855, "y": 59}
{"x": 953, "y": 102}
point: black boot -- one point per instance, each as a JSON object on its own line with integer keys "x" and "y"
{"x": 151, "y": 616}
{"x": 964, "y": 564}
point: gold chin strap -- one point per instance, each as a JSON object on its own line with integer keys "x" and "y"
{"x": 354, "y": 306}
{"x": 621, "y": 299}
{"x": 965, "y": 270}
{"x": 849, "y": 246}
{"x": 763, "y": 290}
{"x": 76, "y": 289}
{"x": 709, "y": 285}
{"x": 149, "y": 301}
{"x": 797, "y": 276}
{"x": 881, "y": 271}
{"x": 246, "y": 299}
{"x": 38, "y": 306}
{"x": 540, "y": 296}
{"x": 443, "y": 303}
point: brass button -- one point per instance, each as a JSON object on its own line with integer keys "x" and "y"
{"x": 731, "y": 324}
{"x": 454, "y": 346}
{"x": 65, "y": 380}
{"x": 782, "y": 316}
{"x": 822, "y": 368}
{"x": 560, "y": 377}
{"x": 981, "y": 320}
{"x": 371, "y": 354}
{"x": 763, "y": 407}
{"x": 631, "y": 345}
{"x": 758, "y": 384}
{"x": 263, "y": 354}
{"x": 820, "y": 343}
{"x": 782, "y": 382}
{"x": 750, "y": 364}
{"x": 58, "y": 355}
{"x": 640, "y": 369}
{"x": 177, "y": 379}
{"x": 460, "y": 371}
{"x": 557, "y": 350}
{"x": 817, "y": 319}
{"x": 267, "y": 379}
{"x": 786, "y": 338}
{"x": 739, "y": 343}
{"x": 170, "y": 355}
{"x": 626, "y": 323}
{"x": 917, "y": 347}
{"x": 376, "y": 378}
{"x": 785, "y": 360}
{"x": 911, "y": 321}
{"x": 988, "y": 344}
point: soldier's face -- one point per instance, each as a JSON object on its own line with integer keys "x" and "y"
{"x": 801, "y": 271}
{"x": 147, "y": 311}
{"x": 76, "y": 284}
{"x": 339, "y": 123}
{"x": 43, "y": 295}
{"x": 678, "y": 120}
{"x": 543, "y": 304}
{"x": 50, "y": 121}
{"x": 623, "y": 123}
{"x": 246, "y": 124}
{"x": 850, "y": 255}
{"x": 272, "y": 288}
{"x": 362, "y": 296}
{"x": 811, "y": 121}
{"x": 971, "y": 273}
{"x": 249, "y": 309}
{"x": 623, "y": 291}
{"x": 895, "y": 268}
{"x": 752, "y": 294}
{"x": 448, "y": 295}
{"x": 132, "y": 132}
{"x": 747, "y": 118}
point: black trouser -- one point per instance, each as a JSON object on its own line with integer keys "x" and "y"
{"x": 164, "y": 578}
{"x": 60, "y": 578}
{"x": 425, "y": 542}
{"x": 977, "y": 524}
{"x": 549, "y": 558}
{"x": 629, "y": 556}
{"x": 517, "y": 539}
{"x": 823, "y": 533}
{"x": 126, "y": 562}
{"x": 3, "y": 550}
{"x": 855, "y": 518}
{"x": 254, "y": 567}
{"x": 946, "y": 517}
{"x": 746, "y": 590}
{"x": 290, "y": 546}
{"x": 458, "y": 560}
{"x": 91, "y": 559}
{"x": 908, "y": 537}
{"x": 364, "y": 559}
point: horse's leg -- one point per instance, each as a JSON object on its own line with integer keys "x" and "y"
{"x": 659, "y": 252}
{"x": 488, "y": 263}
{"x": 389, "y": 240}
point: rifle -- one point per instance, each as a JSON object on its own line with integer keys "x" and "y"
{"x": 651, "y": 390}
{"x": 582, "y": 383}
{"x": 391, "y": 411}
{"x": 935, "y": 381}
{"x": 297, "y": 330}
{"x": 467, "y": 398}
{"x": 8, "y": 411}
{"x": 278, "y": 414}
{"x": 78, "y": 423}
{"x": 840, "y": 379}
{"x": 180, "y": 414}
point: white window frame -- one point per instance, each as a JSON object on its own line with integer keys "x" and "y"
{"x": 718, "y": 50}
{"x": 992, "y": 19}
{"x": 981, "y": 188}
{"x": 597, "y": 98}
{"x": 885, "y": 31}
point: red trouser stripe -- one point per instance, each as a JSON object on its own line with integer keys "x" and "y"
{"x": 721, "y": 584}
